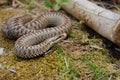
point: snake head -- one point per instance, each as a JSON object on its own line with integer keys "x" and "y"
{"x": 56, "y": 38}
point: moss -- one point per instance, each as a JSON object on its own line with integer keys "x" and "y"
{"x": 98, "y": 63}
{"x": 46, "y": 67}
{"x": 68, "y": 70}
{"x": 65, "y": 63}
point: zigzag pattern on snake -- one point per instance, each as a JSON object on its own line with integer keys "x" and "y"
{"x": 33, "y": 35}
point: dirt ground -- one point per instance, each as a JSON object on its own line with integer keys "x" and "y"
{"x": 84, "y": 55}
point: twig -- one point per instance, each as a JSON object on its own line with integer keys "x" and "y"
{"x": 109, "y": 74}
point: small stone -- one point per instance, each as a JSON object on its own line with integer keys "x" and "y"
{"x": 1, "y": 51}
{"x": 11, "y": 70}
{"x": 0, "y": 65}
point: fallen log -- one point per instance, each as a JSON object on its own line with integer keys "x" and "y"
{"x": 4, "y": 2}
{"x": 105, "y": 22}
{"x": 117, "y": 1}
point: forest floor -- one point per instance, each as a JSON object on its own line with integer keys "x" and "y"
{"x": 84, "y": 55}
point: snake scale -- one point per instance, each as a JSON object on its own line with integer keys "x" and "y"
{"x": 35, "y": 36}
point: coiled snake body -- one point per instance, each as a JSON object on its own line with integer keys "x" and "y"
{"x": 36, "y": 37}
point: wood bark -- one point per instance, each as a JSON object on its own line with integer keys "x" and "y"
{"x": 3, "y": 1}
{"x": 105, "y": 22}
{"x": 117, "y": 1}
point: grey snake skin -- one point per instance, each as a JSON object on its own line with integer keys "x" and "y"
{"x": 35, "y": 36}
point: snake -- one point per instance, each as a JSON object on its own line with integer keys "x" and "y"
{"x": 36, "y": 35}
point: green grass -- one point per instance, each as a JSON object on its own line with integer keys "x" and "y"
{"x": 93, "y": 62}
{"x": 55, "y": 5}
{"x": 68, "y": 71}
{"x": 97, "y": 71}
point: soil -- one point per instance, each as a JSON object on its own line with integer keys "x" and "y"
{"x": 84, "y": 55}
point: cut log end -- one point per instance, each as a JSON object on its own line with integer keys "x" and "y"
{"x": 103, "y": 21}
{"x": 116, "y": 34}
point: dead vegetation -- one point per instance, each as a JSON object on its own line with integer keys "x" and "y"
{"x": 84, "y": 55}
